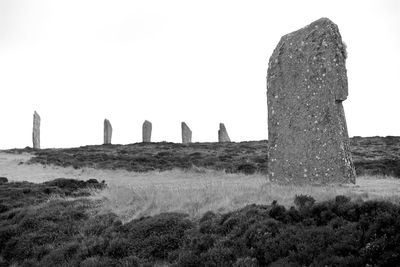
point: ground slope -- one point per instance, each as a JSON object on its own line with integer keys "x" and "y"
{"x": 54, "y": 224}
{"x": 371, "y": 155}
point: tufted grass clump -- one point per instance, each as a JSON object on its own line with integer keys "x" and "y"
{"x": 66, "y": 228}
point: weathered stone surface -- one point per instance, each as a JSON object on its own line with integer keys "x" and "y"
{"x": 223, "y": 134}
{"x": 186, "y": 133}
{"x": 36, "y": 130}
{"x": 107, "y": 132}
{"x": 306, "y": 84}
{"x": 146, "y": 130}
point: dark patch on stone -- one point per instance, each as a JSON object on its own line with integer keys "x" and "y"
{"x": 306, "y": 84}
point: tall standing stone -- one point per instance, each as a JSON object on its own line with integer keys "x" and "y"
{"x": 107, "y": 132}
{"x": 306, "y": 84}
{"x": 186, "y": 133}
{"x": 146, "y": 131}
{"x": 223, "y": 134}
{"x": 36, "y": 130}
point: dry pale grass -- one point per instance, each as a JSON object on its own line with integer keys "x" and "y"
{"x": 197, "y": 192}
{"x": 132, "y": 195}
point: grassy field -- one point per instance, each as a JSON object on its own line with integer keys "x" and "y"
{"x": 191, "y": 214}
{"x": 371, "y": 155}
{"x": 195, "y": 193}
{"x": 68, "y": 222}
{"x": 192, "y": 191}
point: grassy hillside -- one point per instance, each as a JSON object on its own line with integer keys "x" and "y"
{"x": 57, "y": 224}
{"x": 196, "y": 214}
{"x": 371, "y": 155}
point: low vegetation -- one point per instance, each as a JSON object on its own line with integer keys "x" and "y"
{"x": 371, "y": 155}
{"x": 57, "y": 223}
{"x": 201, "y": 210}
{"x": 194, "y": 194}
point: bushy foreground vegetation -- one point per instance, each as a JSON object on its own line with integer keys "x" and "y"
{"x": 44, "y": 230}
{"x": 371, "y": 155}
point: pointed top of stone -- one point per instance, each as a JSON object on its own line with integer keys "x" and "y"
{"x": 223, "y": 134}
{"x": 186, "y": 133}
{"x": 319, "y": 25}
{"x": 320, "y": 45}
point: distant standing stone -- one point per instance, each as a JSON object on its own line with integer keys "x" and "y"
{"x": 107, "y": 132}
{"x": 186, "y": 133}
{"x": 36, "y": 130}
{"x": 306, "y": 84}
{"x": 147, "y": 127}
{"x": 223, "y": 134}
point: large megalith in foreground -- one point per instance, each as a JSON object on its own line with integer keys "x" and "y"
{"x": 186, "y": 133}
{"x": 107, "y": 132}
{"x": 223, "y": 134}
{"x": 306, "y": 84}
{"x": 146, "y": 131}
{"x": 36, "y": 131}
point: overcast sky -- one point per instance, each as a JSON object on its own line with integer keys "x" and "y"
{"x": 77, "y": 62}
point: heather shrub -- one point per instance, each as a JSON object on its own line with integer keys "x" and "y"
{"x": 303, "y": 201}
{"x": 333, "y": 233}
{"x": 245, "y": 262}
{"x": 247, "y": 168}
{"x": 155, "y": 237}
{"x": 73, "y": 232}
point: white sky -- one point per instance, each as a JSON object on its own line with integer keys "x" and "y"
{"x": 203, "y": 62}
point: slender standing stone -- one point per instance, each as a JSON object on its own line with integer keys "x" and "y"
{"x": 186, "y": 133}
{"x": 146, "y": 130}
{"x": 306, "y": 84}
{"x": 36, "y": 130}
{"x": 107, "y": 132}
{"x": 223, "y": 134}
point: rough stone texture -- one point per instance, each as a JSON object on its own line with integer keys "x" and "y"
{"x": 223, "y": 134}
{"x": 36, "y": 130}
{"x": 306, "y": 84}
{"x": 146, "y": 131}
{"x": 107, "y": 132}
{"x": 186, "y": 133}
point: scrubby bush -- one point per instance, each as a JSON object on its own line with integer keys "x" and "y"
{"x": 62, "y": 232}
{"x": 333, "y": 233}
{"x": 233, "y": 157}
{"x": 303, "y": 201}
{"x": 247, "y": 168}
{"x": 155, "y": 237}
